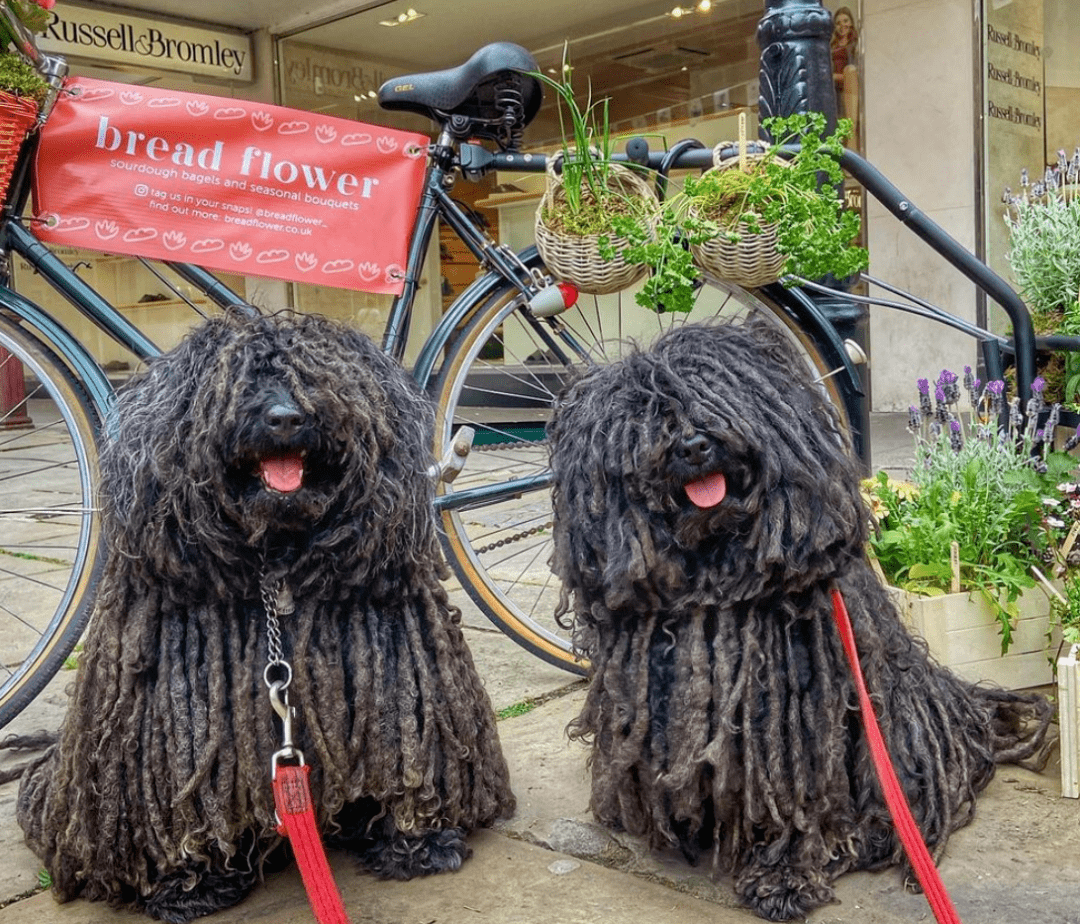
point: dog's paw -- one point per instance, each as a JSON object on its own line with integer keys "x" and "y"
{"x": 783, "y": 893}
{"x": 174, "y": 902}
{"x": 403, "y": 856}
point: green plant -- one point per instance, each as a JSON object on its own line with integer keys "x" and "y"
{"x": 1044, "y": 253}
{"x": 674, "y": 277}
{"x": 16, "y": 75}
{"x": 797, "y": 194}
{"x": 1068, "y": 612}
{"x": 1044, "y": 241}
{"x": 591, "y": 193}
{"x": 987, "y": 489}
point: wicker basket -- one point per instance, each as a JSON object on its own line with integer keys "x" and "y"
{"x": 17, "y": 117}
{"x": 753, "y": 260}
{"x": 576, "y": 258}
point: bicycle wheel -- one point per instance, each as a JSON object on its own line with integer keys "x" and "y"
{"x": 49, "y": 527}
{"x": 500, "y": 377}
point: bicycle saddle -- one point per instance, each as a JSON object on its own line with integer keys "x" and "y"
{"x": 491, "y": 93}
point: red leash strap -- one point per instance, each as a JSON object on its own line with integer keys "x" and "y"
{"x": 292, "y": 797}
{"x": 925, "y": 870}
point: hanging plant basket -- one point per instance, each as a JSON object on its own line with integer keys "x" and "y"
{"x": 17, "y": 116}
{"x": 753, "y": 260}
{"x": 576, "y": 258}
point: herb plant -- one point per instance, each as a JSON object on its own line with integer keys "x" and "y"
{"x": 975, "y": 483}
{"x": 16, "y": 75}
{"x": 590, "y": 190}
{"x": 814, "y": 230}
{"x": 674, "y": 277}
{"x": 1069, "y": 611}
{"x": 1044, "y": 253}
{"x": 1044, "y": 241}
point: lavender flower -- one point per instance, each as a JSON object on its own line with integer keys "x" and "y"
{"x": 1052, "y": 421}
{"x": 925, "y": 406}
{"x": 996, "y": 390}
{"x": 971, "y": 386}
{"x": 914, "y": 419}
{"x": 956, "y": 439}
{"x": 1014, "y": 414}
{"x": 947, "y": 383}
{"x": 941, "y": 411}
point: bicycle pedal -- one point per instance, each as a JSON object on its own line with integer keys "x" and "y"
{"x": 453, "y": 460}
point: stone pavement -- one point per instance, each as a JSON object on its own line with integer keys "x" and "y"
{"x": 1018, "y": 863}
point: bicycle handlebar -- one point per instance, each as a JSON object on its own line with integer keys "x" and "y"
{"x": 875, "y": 183}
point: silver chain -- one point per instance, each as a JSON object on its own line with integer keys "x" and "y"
{"x": 277, "y": 601}
{"x": 273, "y": 593}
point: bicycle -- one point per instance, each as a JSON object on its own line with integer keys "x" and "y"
{"x": 493, "y": 363}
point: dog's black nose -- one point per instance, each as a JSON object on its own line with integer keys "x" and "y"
{"x": 284, "y": 419}
{"x": 694, "y": 450}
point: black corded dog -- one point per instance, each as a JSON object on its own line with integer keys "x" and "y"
{"x": 705, "y": 506}
{"x": 281, "y": 459}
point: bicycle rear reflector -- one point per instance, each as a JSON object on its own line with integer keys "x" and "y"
{"x": 553, "y": 300}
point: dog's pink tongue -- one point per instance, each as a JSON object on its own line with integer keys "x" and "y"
{"x": 708, "y": 492}
{"x": 282, "y": 473}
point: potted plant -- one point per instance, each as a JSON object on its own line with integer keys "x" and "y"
{"x": 22, "y": 89}
{"x": 1044, "y": 253}
{"x": 771, "y": 215}
{"x": 585, "y": 190}
{"x": 960, "y": 540}
{"x": 17, "y": 77}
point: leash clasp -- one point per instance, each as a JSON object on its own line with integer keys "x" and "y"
{"x": 279, "y": 700}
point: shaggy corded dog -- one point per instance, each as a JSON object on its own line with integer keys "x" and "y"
{"x": 705, "y": 506}
{"x": 282, "y": 459}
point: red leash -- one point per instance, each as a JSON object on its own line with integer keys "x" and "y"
{"x": 925, "y": 870}
{"x": 296, "y": 815}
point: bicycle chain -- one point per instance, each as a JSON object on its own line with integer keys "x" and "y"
{"x": 509, "y": 444}
{"x": 517, "y": 537}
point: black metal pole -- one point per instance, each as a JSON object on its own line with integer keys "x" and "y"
{"x": 796, "y": 62}
{"x": 796, "y": 76}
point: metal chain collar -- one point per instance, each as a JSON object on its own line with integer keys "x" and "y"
{"x": 277, "y": 600}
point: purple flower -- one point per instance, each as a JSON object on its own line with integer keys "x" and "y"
{"x": 955, "y": 438}
{"x": 914, "y": 420}
{"x": 924, "y": 386}
{"x": 1038, "y": 385}
{"x": 996, "y": 387}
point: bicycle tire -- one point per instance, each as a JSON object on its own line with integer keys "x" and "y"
{"x": 50, "y": 558}
{"x": 499, "y": 551}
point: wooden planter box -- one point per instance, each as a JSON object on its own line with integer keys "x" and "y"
{"x": 1069, "y": 716}
{"x": 963, "y": 635}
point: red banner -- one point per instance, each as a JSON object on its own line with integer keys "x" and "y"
{"x": 228, "y": 184}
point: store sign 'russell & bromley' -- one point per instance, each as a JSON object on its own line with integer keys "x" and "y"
{"x": 125, "y": 38}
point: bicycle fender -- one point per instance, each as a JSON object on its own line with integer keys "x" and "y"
{"x": 808, "y": 315}
{"x": 86, "y": 369}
